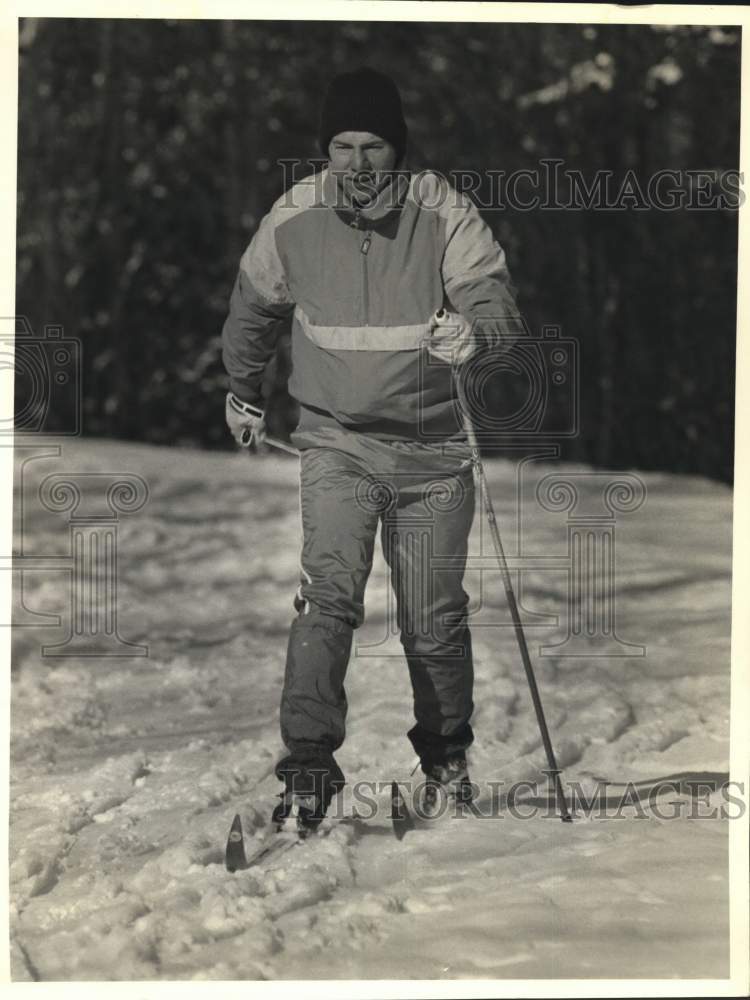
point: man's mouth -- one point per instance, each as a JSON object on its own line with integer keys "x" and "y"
{"x": 363, "y": 187}
{"x": 364, "y": 179}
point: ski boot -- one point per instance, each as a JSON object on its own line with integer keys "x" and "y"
{"x": 298, "y": 812}
{"x": 445, "y": 781}
{"x": 308, "y": 791}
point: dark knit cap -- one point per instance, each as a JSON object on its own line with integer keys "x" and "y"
{"x": 363, "y": 101}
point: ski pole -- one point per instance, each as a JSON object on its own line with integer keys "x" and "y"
{"x": 273, "y": 442}
{"x": 486, "y": 499}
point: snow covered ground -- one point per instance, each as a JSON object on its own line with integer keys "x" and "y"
{"x": 126, "y": 772}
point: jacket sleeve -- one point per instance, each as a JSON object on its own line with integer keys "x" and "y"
{"x": 259, "y": 305}
{"x": 476, "y": 278}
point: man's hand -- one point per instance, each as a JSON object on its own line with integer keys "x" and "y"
{"x": 244, "y": 421}
{"x": 450, "y": 339}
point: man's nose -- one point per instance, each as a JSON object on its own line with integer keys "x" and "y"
{"x": 360, "y": 160}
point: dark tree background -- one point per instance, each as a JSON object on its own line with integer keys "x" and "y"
{"x": 148, "y": 154}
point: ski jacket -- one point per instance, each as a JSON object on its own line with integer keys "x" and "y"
{"x": 360, "y": 286}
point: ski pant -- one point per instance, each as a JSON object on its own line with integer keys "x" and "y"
{"x": 424, "y": 501}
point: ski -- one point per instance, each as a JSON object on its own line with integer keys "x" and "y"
{"x": 278, "y": 841}
{"x": 275, "y": 843}
{"x": 235, "y": 858}
{"x": 401, "y": 818}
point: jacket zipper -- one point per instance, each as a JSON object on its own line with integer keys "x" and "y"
{"x": 364, "y": 248}
{"x": 365, "y": 283}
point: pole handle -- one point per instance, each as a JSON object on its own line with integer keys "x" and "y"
{"x": 247, "y": 435}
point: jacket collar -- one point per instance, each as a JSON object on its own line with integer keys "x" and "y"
{"x": 389, "y": 199}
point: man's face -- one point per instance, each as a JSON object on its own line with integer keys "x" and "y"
{"x": 361, "y": 162}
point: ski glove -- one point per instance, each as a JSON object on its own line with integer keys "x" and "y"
{"x": 244, "y": 421}
{"x": 451, "y": 337}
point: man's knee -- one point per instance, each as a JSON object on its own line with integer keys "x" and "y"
{"x": 323, "y": 609}
{"x": 437, "y": 635}
{"x": 338, "y": 629}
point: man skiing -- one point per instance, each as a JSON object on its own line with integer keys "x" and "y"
{"x": 362, "y": 257}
